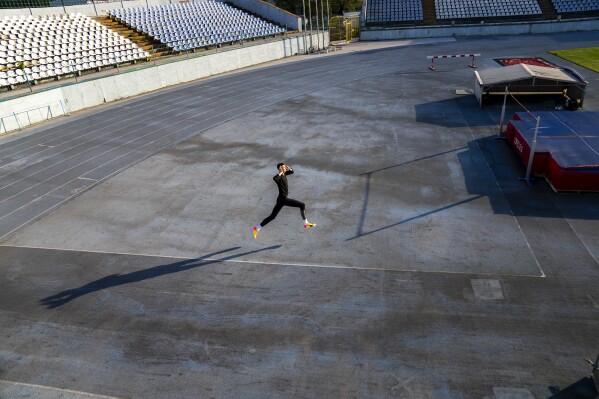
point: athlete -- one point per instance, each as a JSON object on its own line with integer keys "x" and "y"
{"x": 283, "y": 200}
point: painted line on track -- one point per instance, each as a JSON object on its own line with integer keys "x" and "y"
{"x": 285, "y": 264}
{"x": 67, "y": 391}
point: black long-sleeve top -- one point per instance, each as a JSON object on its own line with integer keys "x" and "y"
{"x": 282, "y": 185}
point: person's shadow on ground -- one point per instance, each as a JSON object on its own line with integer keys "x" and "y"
{"x": 114, "y": 280}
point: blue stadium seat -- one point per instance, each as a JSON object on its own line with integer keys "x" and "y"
{"x": 193, "y": 25}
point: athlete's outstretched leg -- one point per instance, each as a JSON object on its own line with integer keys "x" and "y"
{"x": 302, "y": 207}
{"x": 273, "y": 214}
{"x": 269, "y": 218}
{"x": 297, "y": 204}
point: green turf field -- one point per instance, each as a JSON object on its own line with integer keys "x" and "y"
{"x": 585, "y": 57}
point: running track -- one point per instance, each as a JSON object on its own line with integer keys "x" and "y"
{"x": 40, "y": 172}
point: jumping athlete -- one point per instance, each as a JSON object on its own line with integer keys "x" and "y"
{"x": 283, "y": 200}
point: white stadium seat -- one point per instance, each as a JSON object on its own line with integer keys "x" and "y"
{"x": 51, "y": 45}
{"x": 191, "y": 25}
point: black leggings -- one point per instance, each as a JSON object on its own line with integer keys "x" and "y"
{"x": 281, "y": 202}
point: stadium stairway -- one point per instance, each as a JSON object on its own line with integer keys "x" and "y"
{"x": 428, "y": 12}
{"x": 153, "y": 47}
{"x": 547, "y": 9}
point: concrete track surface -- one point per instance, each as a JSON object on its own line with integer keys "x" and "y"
{"x": 128, "y": 268}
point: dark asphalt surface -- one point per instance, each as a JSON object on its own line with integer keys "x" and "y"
{"x": 127, "y": 269}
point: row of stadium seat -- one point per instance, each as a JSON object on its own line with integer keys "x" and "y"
{"x": 33, "y": 48}
{"x": 195, "y": 25}
{"x": 394, "y": 10}
{"x": 45, "y": 71}
{"x": 566, "y": 6}
{"x": 466, "y": 9}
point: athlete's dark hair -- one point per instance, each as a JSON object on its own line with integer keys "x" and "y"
{"x": 279, "y": 165}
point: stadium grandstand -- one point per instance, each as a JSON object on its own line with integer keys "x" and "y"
{"x": 195, "y": 25}
{"x": 379, "y": 13}
{"x": 45, "y": 47}
{"x": 59, "y": 41}
{"x": 35, "y": 49}
{"x": 394, "y": 11}
{"x": 471, "y": 9}
{"x": 576, "y": 7}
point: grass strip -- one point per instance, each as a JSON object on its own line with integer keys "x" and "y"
{"x": 585, "y": 57}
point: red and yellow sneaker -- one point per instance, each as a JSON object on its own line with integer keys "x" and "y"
{"x": 308, "y": 225}
{"x": 255, "y": 232}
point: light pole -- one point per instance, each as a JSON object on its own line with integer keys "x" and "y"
{"x": 310, "y": 19}
{"x": 328, "y": 16}
{"x": 317, "y": 27}
{"x": 322, "y": 18}
{"x": 304, "y": 29}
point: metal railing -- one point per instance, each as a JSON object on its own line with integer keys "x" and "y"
{"x": 20, "y": 119}
{"x": 168, "y": 55}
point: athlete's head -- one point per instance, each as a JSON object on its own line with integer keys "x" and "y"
{"x": 279, "y": 165}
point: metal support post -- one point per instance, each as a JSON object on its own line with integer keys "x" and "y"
{"x": 304, "y": 27}
{"x": 472, "y": 64}
{"x": 74, "y": 71}
{"x": 532, "y": 152}
{"x": 17, "y": 120}
{"x": 28, "y": 82}
{"x": 322, "y": 19}
{"x": 317, "y": 25}
{"x": 328, "y": 17}
{"x": 64, "y": 109}
{"x": 310, "y": 20}
{"x": 502, "y": 114}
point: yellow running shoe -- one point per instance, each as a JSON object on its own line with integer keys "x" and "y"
{"x": 255, "y": 232}
{"x": 308, "y": 225}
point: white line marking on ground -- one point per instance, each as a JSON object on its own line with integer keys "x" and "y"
{"x": 595, "y": 304}
{"x": 81, "y": 393}
{"x": 574, "y": 230}
{"x": 268, "y": 263}
{"x": 503, "y": 194}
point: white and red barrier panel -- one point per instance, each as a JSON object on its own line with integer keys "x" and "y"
{"x": 432, "y": 58}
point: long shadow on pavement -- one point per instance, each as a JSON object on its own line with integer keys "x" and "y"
{"x": 581, "y": 389}
{"x": 114, "y": 280}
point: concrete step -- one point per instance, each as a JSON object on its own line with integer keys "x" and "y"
{"x": 428, "y": 12}
{"x": 548, "y": 9}
{"x": 141, "y": 40}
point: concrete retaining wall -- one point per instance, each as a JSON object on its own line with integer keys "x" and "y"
{"x": 482, "y": 30}
{"x": 24, "y": 112}
{"x": 90, "y": 93}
